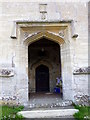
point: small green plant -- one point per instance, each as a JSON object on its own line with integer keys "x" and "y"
{"x": 83, "y": 114}
{"x": 10, "y": 112}
{"x": 20, "y": 117}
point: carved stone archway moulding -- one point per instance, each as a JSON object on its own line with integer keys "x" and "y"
{"x": 64, "y": 23}
{"x": 47, "y": 34}
{"x": 59, "y": 32}
{"x": 33, "y": 73}
{"x": 39, "y": 62}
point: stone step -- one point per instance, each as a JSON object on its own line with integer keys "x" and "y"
{"x": 50, "y": 105}
{"x": 48, "y": 113}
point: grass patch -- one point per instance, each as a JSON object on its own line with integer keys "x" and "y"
{"x": 10, "y": 112}
{"x": 83, "y": 114}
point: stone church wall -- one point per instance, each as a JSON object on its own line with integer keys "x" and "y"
{"x": 13, "y": 67}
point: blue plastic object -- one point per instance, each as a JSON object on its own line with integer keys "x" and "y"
{"x": 57, "y": 90}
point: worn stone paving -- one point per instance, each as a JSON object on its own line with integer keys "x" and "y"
{"x": 47, "y": 100}
{"x": 48, "y": 106}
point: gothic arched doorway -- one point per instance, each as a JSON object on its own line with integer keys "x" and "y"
{"x": 47, "y": 53}
{"x": 42, "y": 78}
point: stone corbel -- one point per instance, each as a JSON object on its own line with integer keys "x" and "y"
{"x": 14, "y": 31}
{"x": 73, "y": 27}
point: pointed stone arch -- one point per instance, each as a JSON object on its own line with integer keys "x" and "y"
{"x": 35, "y": 64}
{"x": 45, "y": 31}
{"x": 33, "y": 69}
{"x": 47, "y": 34}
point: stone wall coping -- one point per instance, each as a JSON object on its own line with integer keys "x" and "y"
{"x": 6, "y": 72}
{"x": 82, "y": 70}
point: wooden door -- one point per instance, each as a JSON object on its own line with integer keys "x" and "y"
{"x": 42, "y": 79}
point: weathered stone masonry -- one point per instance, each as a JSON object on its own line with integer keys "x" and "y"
{"x": 22, "y": 24}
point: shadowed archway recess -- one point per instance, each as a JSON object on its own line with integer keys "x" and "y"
{"x": 46, "y": 34}
{"x": 47, "y": 53}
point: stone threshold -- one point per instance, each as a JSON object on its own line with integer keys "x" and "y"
{"x": 48, "y": 113}
{"x": 52, "y": 105}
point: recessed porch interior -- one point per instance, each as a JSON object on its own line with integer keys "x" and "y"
{"x": 44, "y": 66}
